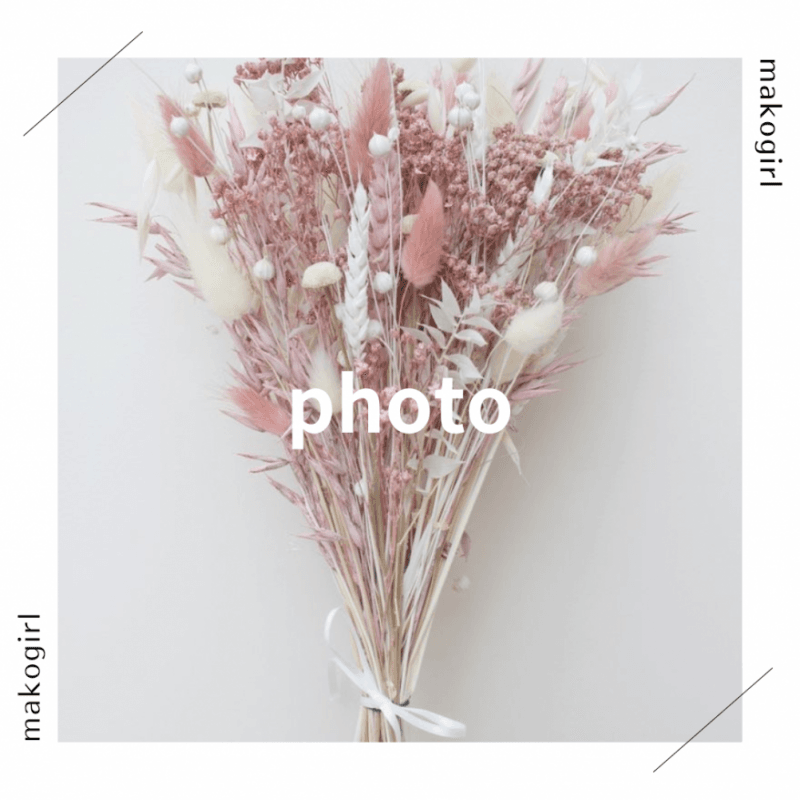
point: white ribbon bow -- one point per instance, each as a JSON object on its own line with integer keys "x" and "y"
{"x": 374, "y": 698}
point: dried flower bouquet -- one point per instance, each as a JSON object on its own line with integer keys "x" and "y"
{"x": 441, "y": 231}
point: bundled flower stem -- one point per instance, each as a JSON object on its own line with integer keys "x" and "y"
{"x": 441, "y": 232}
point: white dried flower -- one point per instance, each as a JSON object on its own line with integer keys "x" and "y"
{"x": 320, "y": 275}
{"x": 459, "y": 117}
{"x": 471, "y": 100}
{"x": 264, "y": 269}
{"x": 585, "y": 256}
{"x": 462, "y": 90}
{"x": 393, "y": 133}
{"x": 532, "y": 328}
{"x": 298, "y": 111}
{"x": 179, "y": 126}
{"x": 210, "y": 99}
{"x": 319, "y": 119}
{"x": 383, "y": 282}
{"x": 219, "y": 233}
{"x": 374, "y": 329}
{"x": 193, "y": 73}
{"x": 379, "y": 145}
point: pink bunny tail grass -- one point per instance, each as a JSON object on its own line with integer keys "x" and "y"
{"x": 374, "y": 115}
{"x": 617, "y": 263}
{"x": 259, "y": 413}
{"x": 192, "y": 150}
{"x": 423, "y": 248}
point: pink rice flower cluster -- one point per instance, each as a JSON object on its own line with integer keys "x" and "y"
{"x": 409, "y": 239}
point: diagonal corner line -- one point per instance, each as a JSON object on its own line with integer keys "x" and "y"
{"x": 713, "y": 718}
{"x": 79, "y": 86}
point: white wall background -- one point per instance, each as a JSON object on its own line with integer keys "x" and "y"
{"x": 605, "y": 598}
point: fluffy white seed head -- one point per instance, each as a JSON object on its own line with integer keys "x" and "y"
{"x": 383, "y": 282}
{"x": 264, "y": 269}
{"x": 393, "y": 133}
{"x": 319, "y": 119}
{"x": 585, "y": 256}
{"x": 380, "y": 145}
{"x": 298, "y": 112}
{"x": 219, "y": 233}
{"x": 226, "y": 288}
{"x": 320, "y": 275}
{"x": 532, "y": 328}
{"x": 193, "y": 73}
{"x": 374, "y": 329}
{"x": 459, "y": 117}
{"x": 546, "y": 291}
{"x": 179, "y": 126}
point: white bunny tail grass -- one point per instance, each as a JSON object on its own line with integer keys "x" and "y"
{"x": 224, "y": 287}
{"x": 532, "y": 328}
{"x": 325, "y": 375}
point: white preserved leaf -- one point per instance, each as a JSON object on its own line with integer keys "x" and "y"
{"x": 471, "y": 336}
{"x": 466, "y": 369}
{"x": 449, "y": 302}
{"x": 511, "y": 449}
{"x": 417, "y": 334}
{"x": 436, "y": 335}
{"x": 442, "y": 319}
{"x": 440, "y": 466}
{"x": 481, "y": 322}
